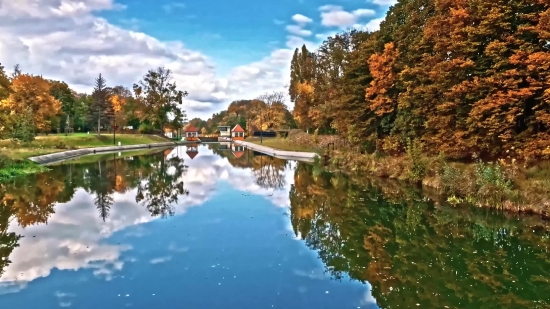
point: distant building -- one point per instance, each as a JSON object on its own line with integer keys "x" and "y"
{"x": 237, "y": 133}
{"x": 225, "y": 131}
{"x": 191, "y": 133}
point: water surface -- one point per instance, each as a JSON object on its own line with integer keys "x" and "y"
{"x": 230, "y": 229}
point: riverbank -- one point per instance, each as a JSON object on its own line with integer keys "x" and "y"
{"x": 505, "y": 184}
{"x": 47, "y": 144}
{"x": 18, "y": 159}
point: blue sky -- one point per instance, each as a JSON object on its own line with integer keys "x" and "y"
{"x": 234, "y": 32}
{"x": 219, "y": 51}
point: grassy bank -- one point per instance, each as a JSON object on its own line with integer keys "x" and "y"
{"x": 59, "y": 142}
{"x": 297, "y": 140}
{"x": 12, "y": 168}
{"x": 504, "y": 184}
{"x": 13, "y": 155}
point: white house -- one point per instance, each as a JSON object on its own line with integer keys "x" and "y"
{"x": 225, "y": 131}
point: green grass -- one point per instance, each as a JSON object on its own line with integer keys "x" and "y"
{"x": 47, "y": 144}
{"x": 281, "y": 144}
{"x": 10, "y": 168}
{"x": 109, "y": 156}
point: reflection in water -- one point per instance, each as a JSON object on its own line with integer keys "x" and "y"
{"x": 412, "y": 253}
{"x": 31, "y": 199}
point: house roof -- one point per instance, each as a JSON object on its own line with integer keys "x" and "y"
{"x": 238, "y": 128}
{"x": 191, "y": 128}
{"x": 192, "y": 154}
{"x": 238, "y": 154}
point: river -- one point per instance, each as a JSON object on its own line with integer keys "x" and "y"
{"x": 209, "y": 227}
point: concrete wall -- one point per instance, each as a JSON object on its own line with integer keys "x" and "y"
{"x": 65, "y": 155}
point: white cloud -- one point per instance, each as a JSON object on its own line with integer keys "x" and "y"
{"x": 160, "y": 260}
{"x": 297, "y": 30}
{"x": 63, "y": 39}
{"x": 384, "y": 2}
{"x": 301, "y": 19}
{"x": 170, "y": 7}
{"x": 336, "y": 16}
{"x": 374, "y": 25}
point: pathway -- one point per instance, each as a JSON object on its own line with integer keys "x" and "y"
{"x": 283, "y": 154}
{"x": 65, "y": 155}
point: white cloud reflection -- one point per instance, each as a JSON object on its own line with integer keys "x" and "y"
{"x": 75, "y": 235}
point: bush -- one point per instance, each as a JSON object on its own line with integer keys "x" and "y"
{"x": 417, "y": 168}
{"x": 146, "y": 128}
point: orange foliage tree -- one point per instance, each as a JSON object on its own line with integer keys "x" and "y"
{"x": 30, "y": 95}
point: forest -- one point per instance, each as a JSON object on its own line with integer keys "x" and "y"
{"x": 463, "y": 78}
{"x": 31, "y": 104}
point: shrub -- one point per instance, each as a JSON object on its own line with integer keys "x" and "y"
{"x": 145, "y": 128}
{"x": 417, "y": 168}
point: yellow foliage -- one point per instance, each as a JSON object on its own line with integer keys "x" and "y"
{"x": 117, "y": 102}
{"x": 32, "y": 93}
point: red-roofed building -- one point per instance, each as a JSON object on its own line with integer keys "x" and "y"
{"x": 192, "y": 150}
{"x": 191, "y": 133}
{"x": 237, "y": 133}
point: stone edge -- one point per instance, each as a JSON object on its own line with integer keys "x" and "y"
{"x": 70, "y": 154}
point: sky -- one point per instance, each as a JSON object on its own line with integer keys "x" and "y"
{"x": 218, "y": 51}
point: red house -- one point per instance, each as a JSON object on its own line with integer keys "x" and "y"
{"x": 237, "y": 133}
{"x": 191, "y": 133}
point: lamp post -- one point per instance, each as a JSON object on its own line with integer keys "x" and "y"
{"x": 114, "y": 132}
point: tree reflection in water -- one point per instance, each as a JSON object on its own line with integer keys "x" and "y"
{"x": 412, "y": 252}
{"x": 269, "y": 172}
{"x": 32, "y": 199}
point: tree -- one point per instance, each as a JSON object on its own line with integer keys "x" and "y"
{"x": 159, "y": 95}
{"x": 203, "y": 131}
{"x": 30, "y": 96}
{"x": 63, "y": 93}
{"x": 101, "y": 110}
{"x": 270, "y": 114}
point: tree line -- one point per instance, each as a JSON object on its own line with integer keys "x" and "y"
{"x": 31, "y": 104}
{"x": 266, "y": 112}
{"x": 458, "y": 77}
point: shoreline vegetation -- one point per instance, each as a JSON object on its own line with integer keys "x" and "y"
{"x": 505, "y": 184}
{"x": 14, "y": 155}
{"x": 40, "y": 116}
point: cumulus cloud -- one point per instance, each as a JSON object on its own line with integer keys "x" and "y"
{"x": 374, "y": 25}
{"x": 336, "y": 16}
{"x": 301, "y": 19}
{"x": 297, "y": 30}
{"x": 66, "y": 40}
{"x": 384, "y": 2}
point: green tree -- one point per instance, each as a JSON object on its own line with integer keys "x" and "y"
{"x": 101, "y": 110}
{"x": 159, "y": 95}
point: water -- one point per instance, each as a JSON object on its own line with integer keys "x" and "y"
{"x": 233, "y": 230}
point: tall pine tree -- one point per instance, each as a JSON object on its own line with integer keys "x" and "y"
{"x": 101, "y": 109}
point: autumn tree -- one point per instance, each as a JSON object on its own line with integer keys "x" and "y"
{"x": 30, "y": 97}
{"x": 159, "y": 95}
{"x": 270, "y": 114}
{"x": 101, "y": 111}
{"x": 203, "y": 131}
